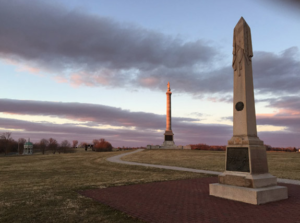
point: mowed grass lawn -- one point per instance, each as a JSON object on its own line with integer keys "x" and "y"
{"x": 43, "y": 188}
{"x": 281, "y": 164}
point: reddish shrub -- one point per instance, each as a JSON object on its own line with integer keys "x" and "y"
{"x": 102, "y": 145}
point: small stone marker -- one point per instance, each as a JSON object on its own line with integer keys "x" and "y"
{"x": 246, "y": 177}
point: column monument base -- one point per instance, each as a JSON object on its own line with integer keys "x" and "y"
{"x": 169, "y": 140}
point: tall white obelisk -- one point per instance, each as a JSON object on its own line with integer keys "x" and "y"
{"x": 246, "y": 177}
{"x": 168, "y": 136}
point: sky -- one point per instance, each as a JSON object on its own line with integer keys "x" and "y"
{"x": 84, "y": 70}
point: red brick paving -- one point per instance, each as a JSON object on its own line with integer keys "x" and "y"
{"x": 181, "y": 201}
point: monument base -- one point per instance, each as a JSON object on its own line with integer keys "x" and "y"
{"x": 247, "y": 179}
{"x": 169, "y": 144}
{"x": 169, "y": 140}
{"x": 249, "y": 195}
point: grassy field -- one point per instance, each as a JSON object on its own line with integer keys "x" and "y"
{"x": 281, "y": 164}
{"x": 43, "y": 188}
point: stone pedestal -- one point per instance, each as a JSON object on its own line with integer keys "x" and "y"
{"x": 246, "y": 177}
{"x": 249, "y": 195}
{"x": 169, "y": 139}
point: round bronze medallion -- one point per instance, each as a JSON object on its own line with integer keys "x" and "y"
{"x": 239, "y": 106}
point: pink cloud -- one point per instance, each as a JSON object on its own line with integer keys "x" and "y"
{"x": 149, "y": 81}
{"x": 32, "y": 70}
{"x": 99, "y": 78}
{"x": 22, "y": 66}
{"x": 61, "y": 79}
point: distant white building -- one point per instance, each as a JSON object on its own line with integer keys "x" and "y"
{"x": 28, "y": 148}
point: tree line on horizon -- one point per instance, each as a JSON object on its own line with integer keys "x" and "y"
{"x": 9, "y": 145}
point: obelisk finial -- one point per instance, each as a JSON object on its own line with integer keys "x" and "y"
{"x": 242, "y": 45}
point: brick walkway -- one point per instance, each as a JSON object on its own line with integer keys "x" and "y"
{"x": 183, "y": 201}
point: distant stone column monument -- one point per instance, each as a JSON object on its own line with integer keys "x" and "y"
{"x": 168, "y": 136}
{"x": 246, "y": 177}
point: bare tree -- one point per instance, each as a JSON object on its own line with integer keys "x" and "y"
{"x": 6, "y": 138}
{"x": 65, "y": 145}
{"x": 53, "y": 145}
{"x": 95, "y": 141}
{"x": 21, "y": 142}
{"x": 82, "y": 144}
{"x": 43, "y": 145}
{"x": 75, "y": 143}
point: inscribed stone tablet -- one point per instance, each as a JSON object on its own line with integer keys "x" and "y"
{"x": 237, "y": 159}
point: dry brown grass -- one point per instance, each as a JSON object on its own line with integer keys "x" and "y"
{"x": 43, "y": 188}
{"x": 281, "y": 164}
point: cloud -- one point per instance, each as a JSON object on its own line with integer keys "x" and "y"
{"x": 52, "y": 37}
{"x": 277, "y": 73}
{"x": 289, "y": 104}
{"x": 288, "y": 113}
{"x": 36, "y": 131}
{"x": 145, "y": 131}
{"x": 87, "y": 49}
{"x": 280, "y": 139}
{"x": 290, "y": 5}
{"x": 140, "y": 128}
{"x": 92, "y": 113}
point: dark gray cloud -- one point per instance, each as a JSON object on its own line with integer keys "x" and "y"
{"x": 187, "y": 133}
{"x": 92, "y": 113}
{"x": 273, "y": 73}
{"x": 145, "y": 132}
{"x": 277, "y": 73}
{"x": 188, "y": 80}
{"x": 36, "y": 131}
{"x": 291, "y": 103}
{"x": 50, "y": 36}
{"x": 291, "y": 5}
